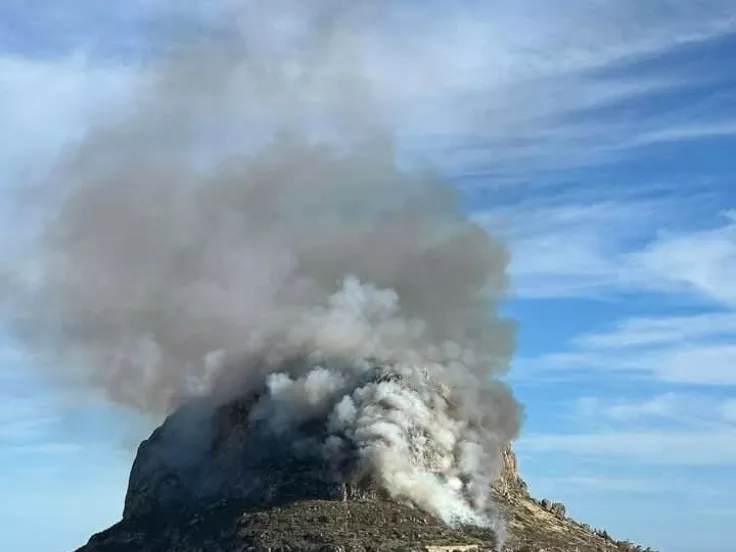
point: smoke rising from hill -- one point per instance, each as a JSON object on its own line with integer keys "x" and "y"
{"x": 246, "y": 228}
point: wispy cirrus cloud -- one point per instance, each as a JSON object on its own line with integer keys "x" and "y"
{"x": 686, "y": 133}
{"x": 728, "y": 410}
{"x": 507, "y": 96}
{"x": 697, "y": 349}
{"x": 674, "y": 448}
{"x": 683, "y": 409}
{"x": 30, "y": 427}
{"x": 669, "y": 349}
{"x": 24, "y": 417}
{"x": 701, "y": 262}
{"x": 594, "y": 248}
{"x": 662, "y": 330}
{"x": 599, "y": 484}
{"x": 568, "y": 249}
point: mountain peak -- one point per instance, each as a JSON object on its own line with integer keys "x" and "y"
{"x": 208, "y": 480}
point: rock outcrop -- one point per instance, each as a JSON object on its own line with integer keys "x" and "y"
{"x": 200, "y": 458}
{"x": 534, "y": 525}
{"x": 207, "y": 481}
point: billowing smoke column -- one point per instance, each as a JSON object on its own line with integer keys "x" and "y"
{"x": 219, "y": 242}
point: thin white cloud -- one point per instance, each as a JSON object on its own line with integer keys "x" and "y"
{"x": 29, "y": 427}
{"x": 514, "y": 84}
{"x": 564, "y": 251}
{"x": 15, "y": 408}
{"x": 680, "y": 448}
{"x": 571, "y": 249}
{"x": 508, "y": 86}
{"x": 696, "y": 365}
{"x": 24, "y": 429}
{"x": 698, "y": 349}
{"x": 599, "y": 248}
{"x": 663, "y": 330}
{"x": 546, "y": 71}
{"x": 680, "y": 409}
{"x": 24, "y": 418}
{"x": 662, "y": 406}
{"x": 687, "y": 132}
{"x": 8, "y": 356}
{"x": 728, "y": 410}
{"x": 702, "y": 262}
{"x": 45, "y": 449}
{"x": 599, "y": 484}
{"x": 705, "y": 365}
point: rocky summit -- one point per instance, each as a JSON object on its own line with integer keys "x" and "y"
{"x": 207, "y": 481}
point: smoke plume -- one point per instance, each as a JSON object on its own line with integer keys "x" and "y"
{"x": 247, "y": 227}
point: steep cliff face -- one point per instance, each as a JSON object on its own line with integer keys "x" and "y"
{"x": 203, "y": 457}
{"x": 207, "y": 481}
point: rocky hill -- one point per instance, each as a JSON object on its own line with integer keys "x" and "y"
{"x": 193, "y": 488}
{"x": 542, "y": 525}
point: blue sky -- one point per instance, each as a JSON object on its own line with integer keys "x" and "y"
{"x": 597, "y": 137}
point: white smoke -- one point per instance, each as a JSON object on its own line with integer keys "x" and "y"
{"x": 380, "y": 389}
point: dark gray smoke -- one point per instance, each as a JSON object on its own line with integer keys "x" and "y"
{"x": 247, "y": 227}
